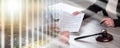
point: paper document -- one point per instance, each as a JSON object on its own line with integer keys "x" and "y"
{"x": 67, "y": 21}
{"x": 71, "y": 23}
{"x": 65, "y": 7}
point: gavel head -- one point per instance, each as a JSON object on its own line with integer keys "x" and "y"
{"x": 104, "y": 37}
{"x": 104, "y": 33}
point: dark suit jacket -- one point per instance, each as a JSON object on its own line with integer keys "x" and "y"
{"x": 95, "y": 8}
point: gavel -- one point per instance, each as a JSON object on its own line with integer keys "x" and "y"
{"x": 103, "y": 36}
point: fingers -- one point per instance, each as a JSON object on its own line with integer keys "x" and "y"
{"x": 65, "y": 33}
{"x": 56, "y": 29}
{"x": 76, "y": 13}
{"x": 53, "y": 28}
{"x": 108, "y": 22}
{"x": 64, "y": 36}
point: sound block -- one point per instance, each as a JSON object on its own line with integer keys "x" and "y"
{"x": 104, "y": 38}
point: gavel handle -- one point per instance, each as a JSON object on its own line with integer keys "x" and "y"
{"x": 87, "y": 36}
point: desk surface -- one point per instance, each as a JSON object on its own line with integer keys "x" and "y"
{"x": 91, "y": 28}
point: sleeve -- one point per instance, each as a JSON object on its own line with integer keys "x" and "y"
{"x": 117, "y": 22}
{"x": 95, "y": 8}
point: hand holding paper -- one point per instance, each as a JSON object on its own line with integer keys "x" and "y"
{"x": 76, "y": 13}
{"x": 67, "y": 20}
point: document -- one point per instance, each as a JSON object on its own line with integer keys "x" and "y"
{"x": 71, "y": 23}
{"x": 67, "y": 21}
{"x": 64, "y": 7}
